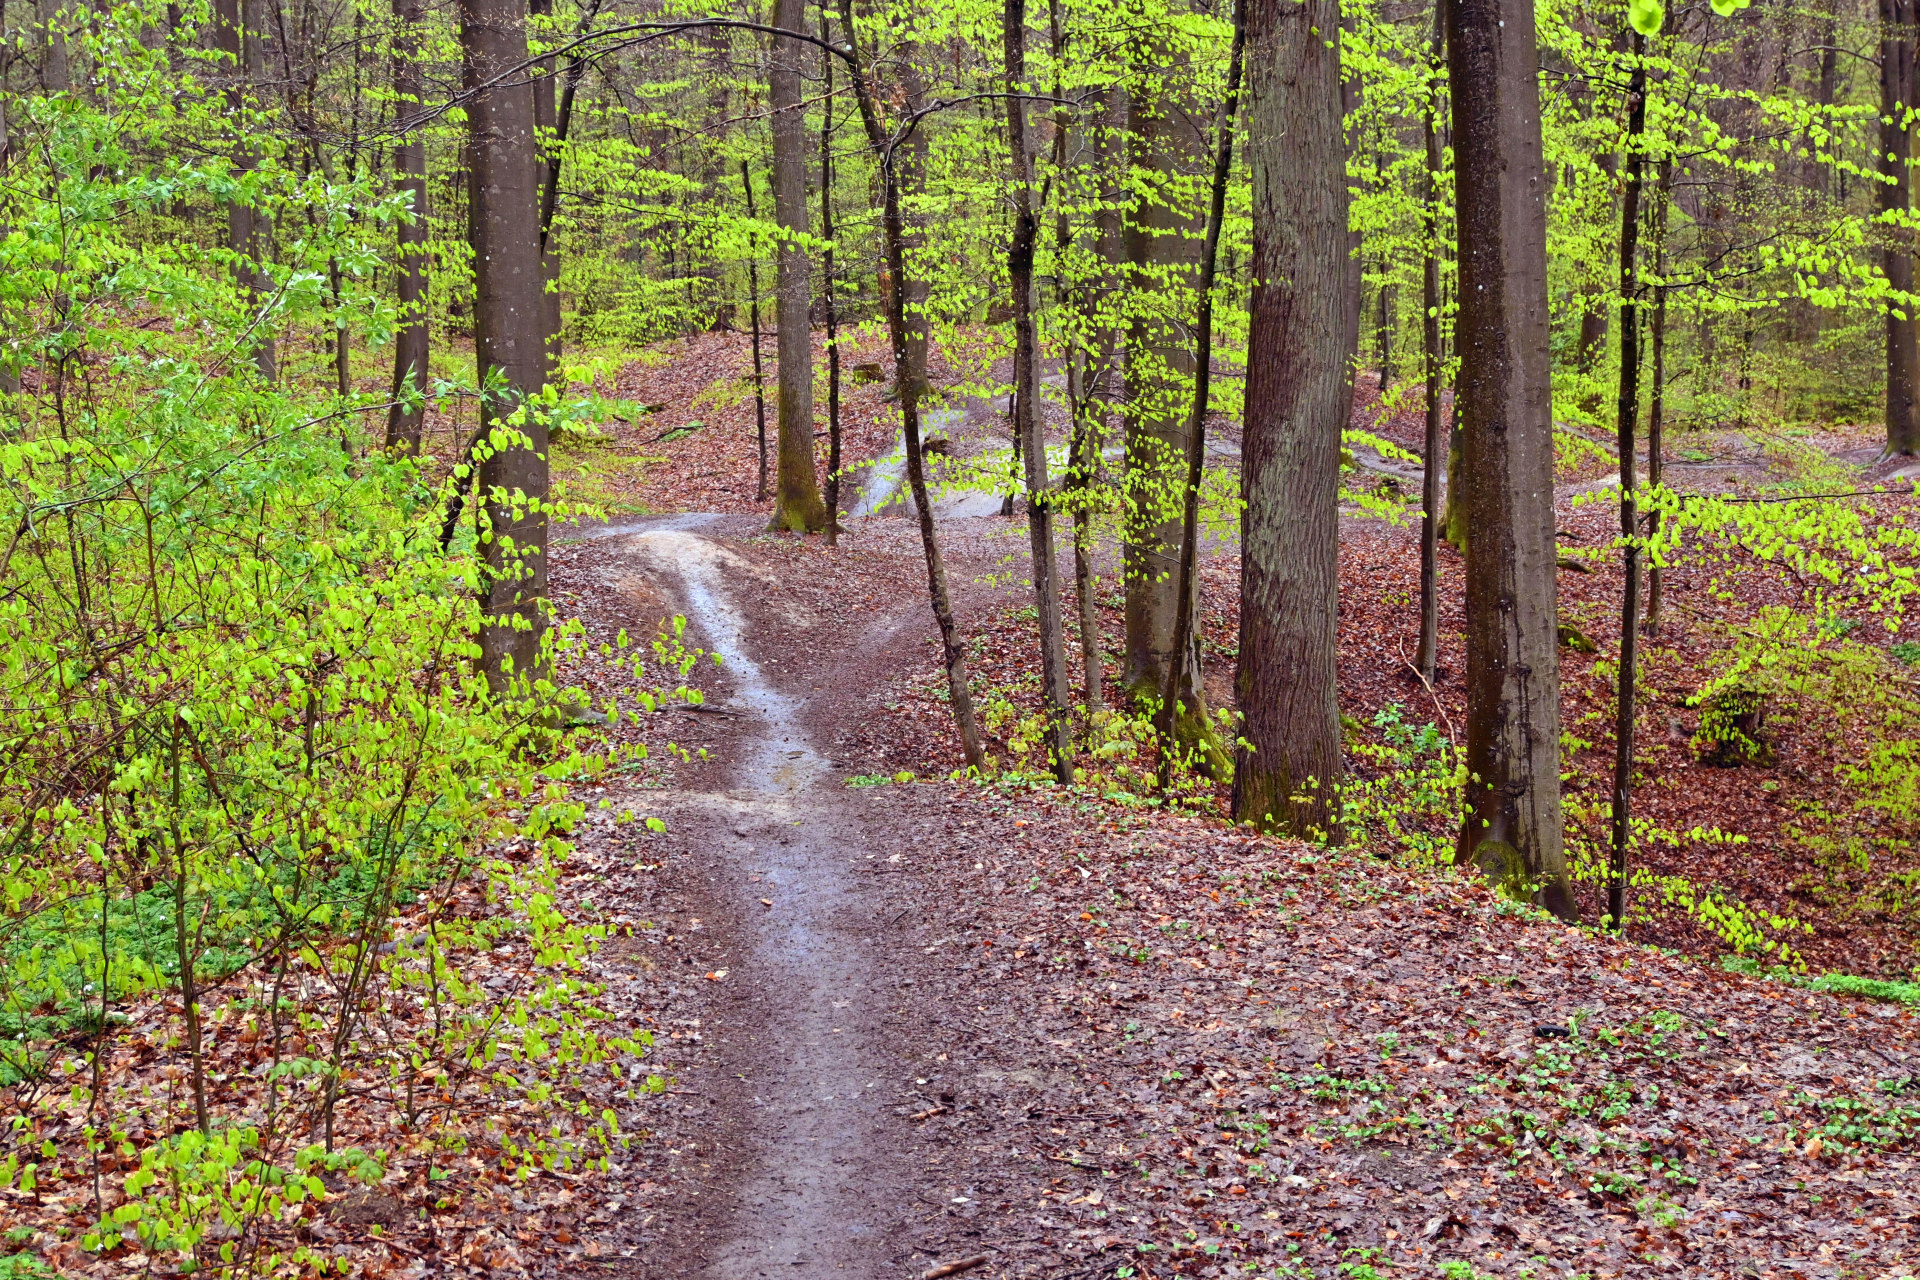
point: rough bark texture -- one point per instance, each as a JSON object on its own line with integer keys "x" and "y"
{"x": 509, "y": 330}
{"x": 1026, "y": 385}
{"x": 1303, "y": 334}
{"x": 1503, "y": 402}
{"x": 411, "y": 339}
{"x": 1162, "y": 241}
{"x": 796, "y": 504}
{"x": 1896, "y": 196}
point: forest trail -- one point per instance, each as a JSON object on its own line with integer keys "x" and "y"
{"x": 808, "y": 1174}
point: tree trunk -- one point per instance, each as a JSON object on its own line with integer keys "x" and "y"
{"x": 1896, "y": 198}
{"x": 546, "y": 159}
{"x": 1434, "y": 363}
{"x": 411, "y": 340}
{"x": 1626, "y": 417}
{"x": 510, "y": 336}
{"x": 1657, "y": 391}
{"x": 894, "y": 230}
{"x": 1029, "y": 423}
{"x": 1161, "y": 239}
{"x": 829, "y": 287}
{"x": 236, "y": 36}
{"x": 56, "y": 75}
{"x": 1504, "y": 403}
{"x": 796, "y": 502}
{"x": 1299, "y": 391}
{"x": 753, "y": 318}
{"x": 913, "y": 182}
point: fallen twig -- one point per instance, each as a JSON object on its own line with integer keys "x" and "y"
{"x": 955, "y": 1268}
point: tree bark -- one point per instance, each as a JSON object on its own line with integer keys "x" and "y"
{"x": 1303, "y": 331}
{"x": 894, "y": 231}
{"x": 56, "y": 74}
{"x": 1626, "y": 417}
{"x": 1657, "y": 391}
{"x": 546, "y": 159}
{"x": 753, "y": 318}
{"x": 236, "y": 35}
{"x": 829, "y": 287}
{"x": 1427, "y": 656}
{"x": 510, "y": 337}
{"x": 1161, "y": 238}
{"x": 1504, "y": 403}
{"x": 913, "y": 182}
{"x": 796, "y": 503}
{"x": 1028, "y": 422}
{"x": 1896, "y": 197}
{"x": 411, "y": 343}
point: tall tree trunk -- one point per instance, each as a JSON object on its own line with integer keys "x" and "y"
{"x": 1162, "y": 240}
{"x": 411, "y": 341}
{"x": 236, "y": 34}
{"x": 1626, "y": 417}
{"x": 753, "y": 319}
{"x": 510, "y": 335}
{"x": 1657, "y": 391}
{"x": 1504, "y": 402}
{"x": 9, "y": 372}
{"x": 1433, "y": 369}
{"x": 56, "y": 74}
{"x": 913, "y": 183}
{"x": 1299, "y": 393}
{"x": 1029, "y": 424}
{"x": 1180, "y": 698}
{"x": 796, "y": 502}
{"x": 894, "y": 230}
{"x": 829, "y": 287}
{"x": 1896, "y": 197}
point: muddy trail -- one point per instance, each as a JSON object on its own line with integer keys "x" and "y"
{"x": 904, "y": 1027}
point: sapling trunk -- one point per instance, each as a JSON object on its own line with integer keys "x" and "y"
{"x": 1657, "y": 390}
{"x": 827, "y": 287}
{"x": 1626, "y": 415}
{"x": 759, "y": 371}
{"x": 1183, "y": 673}
{"x": 1434, "y": 451}
{"x": 893, "y": 229}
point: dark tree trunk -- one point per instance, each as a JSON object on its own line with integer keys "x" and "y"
{"x": 796, "y": 500}
{"x": 1626, "y": 417}
{"x": 411, "y": 340}
{"x": 753, "y": 318}
{"x": 829, "y": 288}
{"x": 1029, "y": 423}
{"x": 1504, "y": 404}
{"x": 1433, "y": 370}
{"x": 1303, "y": 333}
{"x": 56, "y": 73}
{"x": 510, "y": 336}
{"x": 1896, "y": 197}
{"x": 894, "y": 230}
{"x": 546, "y": 160}
{"x": 1657, "y": 390}
{"x": 235, "y": 37}
{"x": 913, "y": 181}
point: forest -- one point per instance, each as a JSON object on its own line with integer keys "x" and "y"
{"x": 1056, "y": 641}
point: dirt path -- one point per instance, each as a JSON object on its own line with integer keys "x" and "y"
{"x": 807, "y": 1061}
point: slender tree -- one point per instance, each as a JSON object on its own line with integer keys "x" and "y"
{"x": 1028, "y": 423}
{"x": 1657, "y": 388}
{"x": 830, "y": 287}
{"x": 796, "y": 500}
{"x": 1626, "y": 418}
{"x": 1180, "y": 696}
{"x": 1303, "y": 338}
{"x": 510, "y": 335}
{"x": 1896, "y": 201}
{"x": 893, "y": 225}
{"x": 1503, "y": 402}
{"x": 753, "y": 319}
{"x": 411, "y": 340}
{"x": 1433, "y": 353}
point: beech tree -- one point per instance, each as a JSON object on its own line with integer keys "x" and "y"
{"x": 1504, "y": 402}
{"x": 1299, "y": 385}
{"x": 797, "y": 502}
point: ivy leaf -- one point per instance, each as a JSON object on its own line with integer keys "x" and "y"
{"x": 1647, "y": 15}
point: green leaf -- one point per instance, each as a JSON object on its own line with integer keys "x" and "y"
{"x": 1647, "y": 15}
{"x": 1727, "y": 8}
